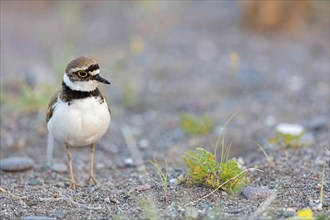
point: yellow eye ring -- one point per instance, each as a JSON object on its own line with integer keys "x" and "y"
{"x": 82, "y": 74}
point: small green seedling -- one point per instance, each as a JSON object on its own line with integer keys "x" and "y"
{"x": 289, "y": 135}
{"x": 163, "y": 176}
{"x": 193, "y": 125}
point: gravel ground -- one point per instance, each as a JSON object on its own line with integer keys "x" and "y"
{"x": 165, "y": 59}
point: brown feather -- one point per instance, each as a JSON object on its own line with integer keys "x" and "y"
{"x": 51, "y": 104}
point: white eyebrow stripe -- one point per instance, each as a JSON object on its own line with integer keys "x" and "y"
{"x": 79, "y": 68}
{"x": 95, "y": 72}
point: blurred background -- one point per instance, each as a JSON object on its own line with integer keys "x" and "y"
{"x": 266, "y": 60}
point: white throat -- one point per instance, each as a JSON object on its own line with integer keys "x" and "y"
{"x": 84, "y": 86}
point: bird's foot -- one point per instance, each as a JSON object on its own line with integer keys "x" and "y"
{"x": 91, "y": 180}
{"x": 74, "y": 185}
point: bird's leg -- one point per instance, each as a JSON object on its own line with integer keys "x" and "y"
{"x": 91, "y": 179}
{"x": 73, "y": 183}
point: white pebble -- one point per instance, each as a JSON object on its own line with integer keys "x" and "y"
{"x": 59, "y": 167}
{"x": 143, "y": 143}
{"x": 292, "y": 129}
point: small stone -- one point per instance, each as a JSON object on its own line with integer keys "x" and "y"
{"x": 110, "y": 200}
{"x": 13, "y": 164}
{"x": 289, "y": 212}
{"x": 317, "y": 123}
{"x": 59, "y": 214}
{"x": 257, "y": 193}
{"x": 99, "y": 166}
{"x": 224, "y": 193}
{"x": 143, "y": 187}
{"x": 191, "y": 213}
{"x": 326, "y": 203}
{"x": 318, "y": 207}
{"x": 32, "y": 217}
{"x": 129, "y": 162}
{"x": 291, "y": 129}
{"x": 174, "y": 181}
{"x": 34, "y": 182}
{"x": 59, "y": 167}
{"x": 311, "y": 203}
{"x": 143, "y": 144}
{"x": 60, "y": 184}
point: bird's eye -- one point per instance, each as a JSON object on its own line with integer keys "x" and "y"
{"x": 82, "y": 74}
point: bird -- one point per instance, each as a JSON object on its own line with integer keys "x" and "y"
{"x": 78, "y": 114}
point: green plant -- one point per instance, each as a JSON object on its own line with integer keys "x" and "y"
{"x": 287, "y": 140}
{"x": 163, "y": 176}
{"x": 204, "y": 169}
{"x": 193, "y": 125}
{"x": 27, "y": 98}
{"x": 289, "y": 136}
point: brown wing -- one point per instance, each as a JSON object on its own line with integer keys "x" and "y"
{"x": 105, "y": 98}
{"x": 51, "y": 104}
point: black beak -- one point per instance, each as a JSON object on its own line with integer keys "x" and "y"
{"x": 102, "y": 80}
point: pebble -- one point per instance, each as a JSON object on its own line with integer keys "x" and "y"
{"x": 326, "y": 203}
{"x": 32, "y": 217}
{"x": 59, "y": 214}
{"x": 143, "y": 144}
{"x": 99, "y": 166}
{"x": 292, "y": 129}
{"x": 144, "y": 187}
{"x": 129, "y": 162}
{"x": 60, "y": 184}
{"x": 59, "y": 167}
{"x": 317, "y": 123}
{"x": 13, "y": 164}
{"x": 34, "y": 182}
{"x": 289, "y": 212}
{"x": 174, "y": 181}
{"x": 191, "y": 213}
{"x": 110, "y": 200}
{"x": 257, "y": 193}
{"x": 311, "y": 203}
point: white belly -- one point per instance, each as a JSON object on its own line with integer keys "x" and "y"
{"x": 81, "y": 123}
